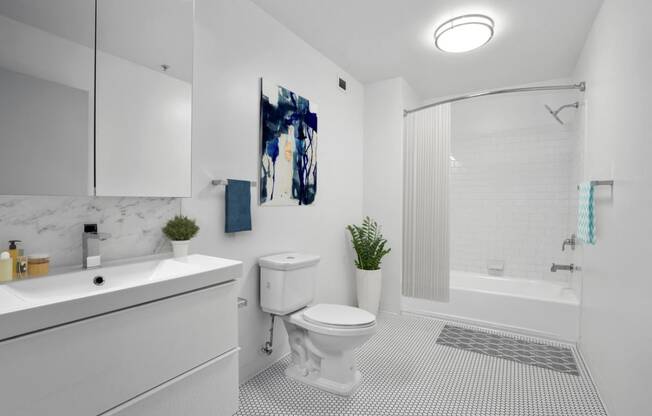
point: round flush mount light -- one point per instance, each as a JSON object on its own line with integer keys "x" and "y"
{"x": 464, "y": 33}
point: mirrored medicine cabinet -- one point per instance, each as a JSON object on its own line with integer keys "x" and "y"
{"x": 96, "y": 97}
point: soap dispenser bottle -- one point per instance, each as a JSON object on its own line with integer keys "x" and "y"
{"x": 5, "y": 267}
{"x": 13, "y": 252}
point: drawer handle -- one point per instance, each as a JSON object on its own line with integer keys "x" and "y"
{"x": 98, "y": 280}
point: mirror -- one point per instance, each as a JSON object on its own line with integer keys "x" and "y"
{"x": 144, "y": 78}
{"x": 46, "y": 97}
{"x": 109, "y": 116}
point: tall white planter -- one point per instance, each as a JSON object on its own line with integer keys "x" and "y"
{"x": 180, "y": 248}
{"x": 369, "y": 284}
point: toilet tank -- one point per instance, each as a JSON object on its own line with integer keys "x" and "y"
{"x": 287, "y": 282}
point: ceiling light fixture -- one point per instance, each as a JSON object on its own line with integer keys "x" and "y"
{"x": 464, "y": 33}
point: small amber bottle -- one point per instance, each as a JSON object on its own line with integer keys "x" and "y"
{"x": 38, "y": 265}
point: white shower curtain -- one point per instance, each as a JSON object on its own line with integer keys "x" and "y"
{"x": 426, "y": 271}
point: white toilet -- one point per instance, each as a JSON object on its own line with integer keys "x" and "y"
{"x": 322, "y": 337}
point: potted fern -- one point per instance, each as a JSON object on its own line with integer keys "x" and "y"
{"x": 369, "y": 246}
{"x": 180, "y": 230}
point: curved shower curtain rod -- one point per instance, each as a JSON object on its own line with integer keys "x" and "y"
{"x": 580, "y": 86}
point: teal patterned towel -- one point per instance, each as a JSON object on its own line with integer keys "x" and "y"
{"x": 586, "y": 214}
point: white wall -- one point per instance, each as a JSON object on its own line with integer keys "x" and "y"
{"x": 511, "y": 184}
{"x": 383, "y": 174}
{"x": 616, "y": 64}
{"x": 236, "y": 44}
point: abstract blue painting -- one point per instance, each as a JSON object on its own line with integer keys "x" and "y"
{"x": 288, "y": 163}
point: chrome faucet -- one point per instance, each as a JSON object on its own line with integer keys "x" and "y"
{"x": 91, "y": 246}
{"x": 572, "y": 241}
{"x": 570, "y": 267}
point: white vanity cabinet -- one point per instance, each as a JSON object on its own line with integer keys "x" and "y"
{"x": 172, "y": 356}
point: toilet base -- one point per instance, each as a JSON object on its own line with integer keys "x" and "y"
{"x": 324, "y": 357}
{"x": 314, "y": 379}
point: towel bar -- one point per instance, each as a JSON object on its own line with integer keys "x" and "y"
{"x": 599, "y": 183}
{"x": 224, "y": 182}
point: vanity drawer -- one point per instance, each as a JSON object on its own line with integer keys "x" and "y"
{"x": 90, "y": 366}
{"x": 210, "y": 389}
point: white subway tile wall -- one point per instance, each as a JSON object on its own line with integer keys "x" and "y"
{"x": 511, "y": 200}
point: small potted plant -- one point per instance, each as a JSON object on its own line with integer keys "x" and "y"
{"x": 369, "y": 246}
{"x": 180, "y": 230}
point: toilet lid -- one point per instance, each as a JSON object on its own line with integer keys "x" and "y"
{"x": 338, "y": 315}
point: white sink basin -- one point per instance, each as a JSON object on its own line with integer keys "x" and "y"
{"x": 38, "y": 303}
{"x": 102, "y": 280}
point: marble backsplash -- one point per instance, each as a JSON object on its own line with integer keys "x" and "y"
{"x": 54, "y": 225}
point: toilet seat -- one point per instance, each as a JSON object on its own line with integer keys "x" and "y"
{"x": 339, "y": 316}
{"x": 299, "y": 318}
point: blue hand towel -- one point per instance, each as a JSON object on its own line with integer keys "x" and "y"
{"x": 238, "y": 206}
{"x": 586, "y": 213}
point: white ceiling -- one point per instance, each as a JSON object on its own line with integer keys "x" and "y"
{"x": 535, "y": 40}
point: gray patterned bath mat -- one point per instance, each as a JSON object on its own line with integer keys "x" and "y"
{"x": 521, "y": 351}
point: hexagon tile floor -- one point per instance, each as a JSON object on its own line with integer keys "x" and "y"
{"x": 407, "y": 372}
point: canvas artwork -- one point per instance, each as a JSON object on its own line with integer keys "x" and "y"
{"x": 288, "y": 164}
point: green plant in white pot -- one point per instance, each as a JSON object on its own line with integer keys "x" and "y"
{"x": 370, "y": 247}
{"x": 180, "y": 230}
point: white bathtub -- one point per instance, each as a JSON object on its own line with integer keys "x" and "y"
{"x": 534, "y": 307}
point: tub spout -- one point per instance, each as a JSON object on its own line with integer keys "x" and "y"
{"x": 555, "y": 267}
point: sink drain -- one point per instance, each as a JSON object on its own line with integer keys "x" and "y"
{"x": 98, "y": 281}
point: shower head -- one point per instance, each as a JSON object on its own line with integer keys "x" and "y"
{"x": 555, "y": 113}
